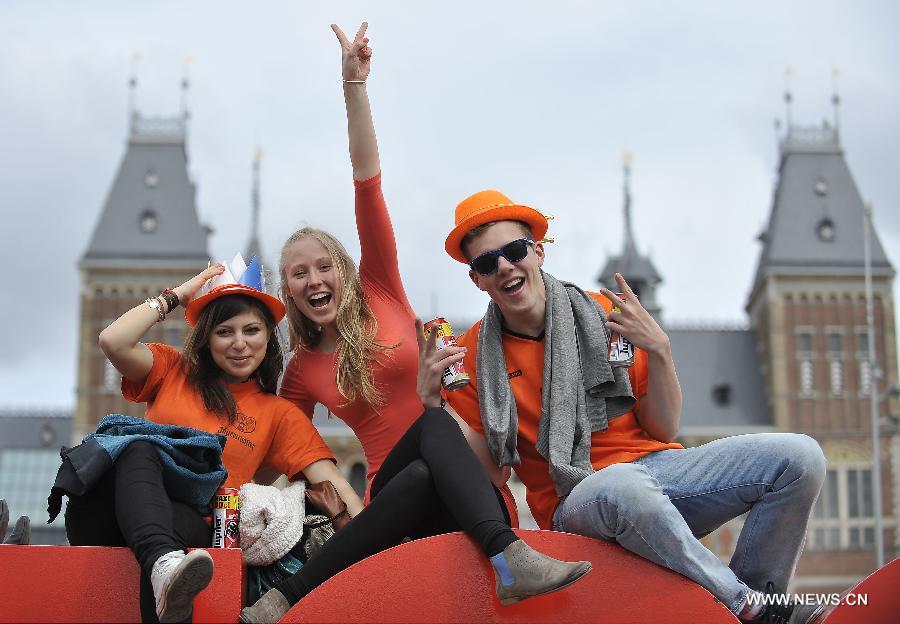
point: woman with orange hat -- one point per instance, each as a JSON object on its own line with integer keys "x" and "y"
{"x": 223, "y": 383}
{"x": 356, "y": 346}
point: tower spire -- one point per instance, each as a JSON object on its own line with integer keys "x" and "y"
{"x": 835, "y": 98}
{"x": 132, "y": 89}
{"x": 185, "y": 86}
{"x": 788, "y": 98}
{"x": 637, "y": 270}
{"x": 253, "y": 247}
{"x": 626, "y": 191}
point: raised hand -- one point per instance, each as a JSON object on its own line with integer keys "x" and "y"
{"x": 356, "y": 55}
{"x": 186, "y": 291}
{"x": 633, "y": 321}
{"x": 432, "y": 362}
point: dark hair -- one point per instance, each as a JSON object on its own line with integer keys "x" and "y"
{"x": 478, "y": 229}
{"x": 205, "y": 375}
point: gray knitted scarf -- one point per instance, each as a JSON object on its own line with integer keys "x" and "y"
{"x": 581, "y": 391}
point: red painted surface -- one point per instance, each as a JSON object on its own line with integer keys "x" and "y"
{"x": 447, "y": 579}
{"x": 97, "y": 584}
{"x": 439, "y": 579}
{"x": 882, "y": 591}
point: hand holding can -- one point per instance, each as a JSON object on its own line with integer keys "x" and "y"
{"x": 621, "y": 351}
{"x": 454, "y": 376}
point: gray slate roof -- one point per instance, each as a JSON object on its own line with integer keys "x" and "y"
{"x": 35, "y": 428}
{"x": 156, "y": 148}
{"x": 709, "y": 358}
{"x": 633, "y": 266}
{"x": 791, "y": 244}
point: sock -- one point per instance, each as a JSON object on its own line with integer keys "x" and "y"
{"x": 501, "y": 567}
{"x": 749, "y": 612}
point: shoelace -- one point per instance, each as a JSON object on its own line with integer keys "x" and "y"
{"x": 776, "y": 613}
{"x": 167, "y": 563}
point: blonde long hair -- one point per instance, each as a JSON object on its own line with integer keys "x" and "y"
{"x": 356, "y": 323}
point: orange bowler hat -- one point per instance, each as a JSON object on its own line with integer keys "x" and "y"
{"x": 485, "y": 207}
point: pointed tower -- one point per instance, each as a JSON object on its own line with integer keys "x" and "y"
{"x": 253, "y": 246}
{"x": 638, "y": 270}
{"x": 147, "y": 238}
{"x": 807, "y": 308}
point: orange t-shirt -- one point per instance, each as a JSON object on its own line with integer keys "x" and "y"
{"x": 269, "y": 431}
{"x": 624, "y": 440}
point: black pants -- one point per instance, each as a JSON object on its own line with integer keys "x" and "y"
{"x": 430, "y": 483}
{"x": 130, "y": 507}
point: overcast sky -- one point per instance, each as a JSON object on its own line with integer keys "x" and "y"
{"x": 537, "y": 99}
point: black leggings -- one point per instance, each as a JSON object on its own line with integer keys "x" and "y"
{"x": 430, "y": 483}
{"x": 130, "y": 507}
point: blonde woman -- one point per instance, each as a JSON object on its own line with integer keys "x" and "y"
{"x": 356, "y": 346}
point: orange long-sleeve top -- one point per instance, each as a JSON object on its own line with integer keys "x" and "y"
{"x": 310, "y": 376}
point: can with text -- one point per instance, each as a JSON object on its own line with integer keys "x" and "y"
{"x": 226, "y": 518}
{"x": 455, "y": 375}
{"x": 621, "y": 351}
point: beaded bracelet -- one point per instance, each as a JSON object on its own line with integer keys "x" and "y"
{"x": 171, "y": 299}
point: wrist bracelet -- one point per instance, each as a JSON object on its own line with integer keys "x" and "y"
{"x": 171, "y": 298}
{"x": 157, "y": 306}
{"x": 354, "y": 82}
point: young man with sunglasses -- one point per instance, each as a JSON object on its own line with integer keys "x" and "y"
{"x": 594, "y": 443}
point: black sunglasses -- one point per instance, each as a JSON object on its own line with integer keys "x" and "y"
{"x": 486, "y": 263}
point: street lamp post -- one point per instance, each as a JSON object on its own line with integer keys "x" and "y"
{"x": 873, "y": 392}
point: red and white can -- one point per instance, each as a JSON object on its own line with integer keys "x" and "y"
{"x": 621, "y": 351}
{"x": 455, "y": 375}
{"x": 226, "y": 518}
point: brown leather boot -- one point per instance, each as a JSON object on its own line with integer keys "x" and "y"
{"x": 267, "y": 610}
{"x": 536, "y": 573}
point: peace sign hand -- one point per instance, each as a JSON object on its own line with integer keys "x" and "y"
{"x": 432, "y": 363}
{"x": 356, "y": 55}
{"x": 633, "y": 321}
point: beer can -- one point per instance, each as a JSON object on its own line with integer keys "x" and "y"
{"x": 455, "y": 375}
{"x": 226, "y": 518}
{"x": 621, "y": 351}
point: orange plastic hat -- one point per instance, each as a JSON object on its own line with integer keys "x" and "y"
{"x": 486, "y": 207}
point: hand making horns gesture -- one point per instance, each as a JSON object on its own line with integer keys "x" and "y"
{"x": 356, "y": 55}
{"x": 632, "y": 320}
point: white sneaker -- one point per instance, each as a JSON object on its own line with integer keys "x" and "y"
{"x": 176, "y": 579}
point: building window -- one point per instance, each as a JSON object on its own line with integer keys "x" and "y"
{"x": 834, "y": 344}
{"x": 148, "y": 221}
{"x": 26, "y": 476}
{"x": 865, "y": 378}
{"x": 843, "y": 518}
{"x": 836, "y": 372}
{"x": 112, "y": 379}
{"x": 805, "y": 362}
{"x": 863, "y": 364}
{"x": 721, "y": 394}
{"x": 862, "y": 345}
{"x": 806, "y": 377}
{"x": 825, "y": 230}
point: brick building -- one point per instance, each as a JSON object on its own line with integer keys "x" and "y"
{"x": 803, "y": 363}
{"x": 148, "y": 237}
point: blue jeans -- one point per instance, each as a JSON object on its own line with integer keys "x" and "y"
{"x": 659, "y": 505}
